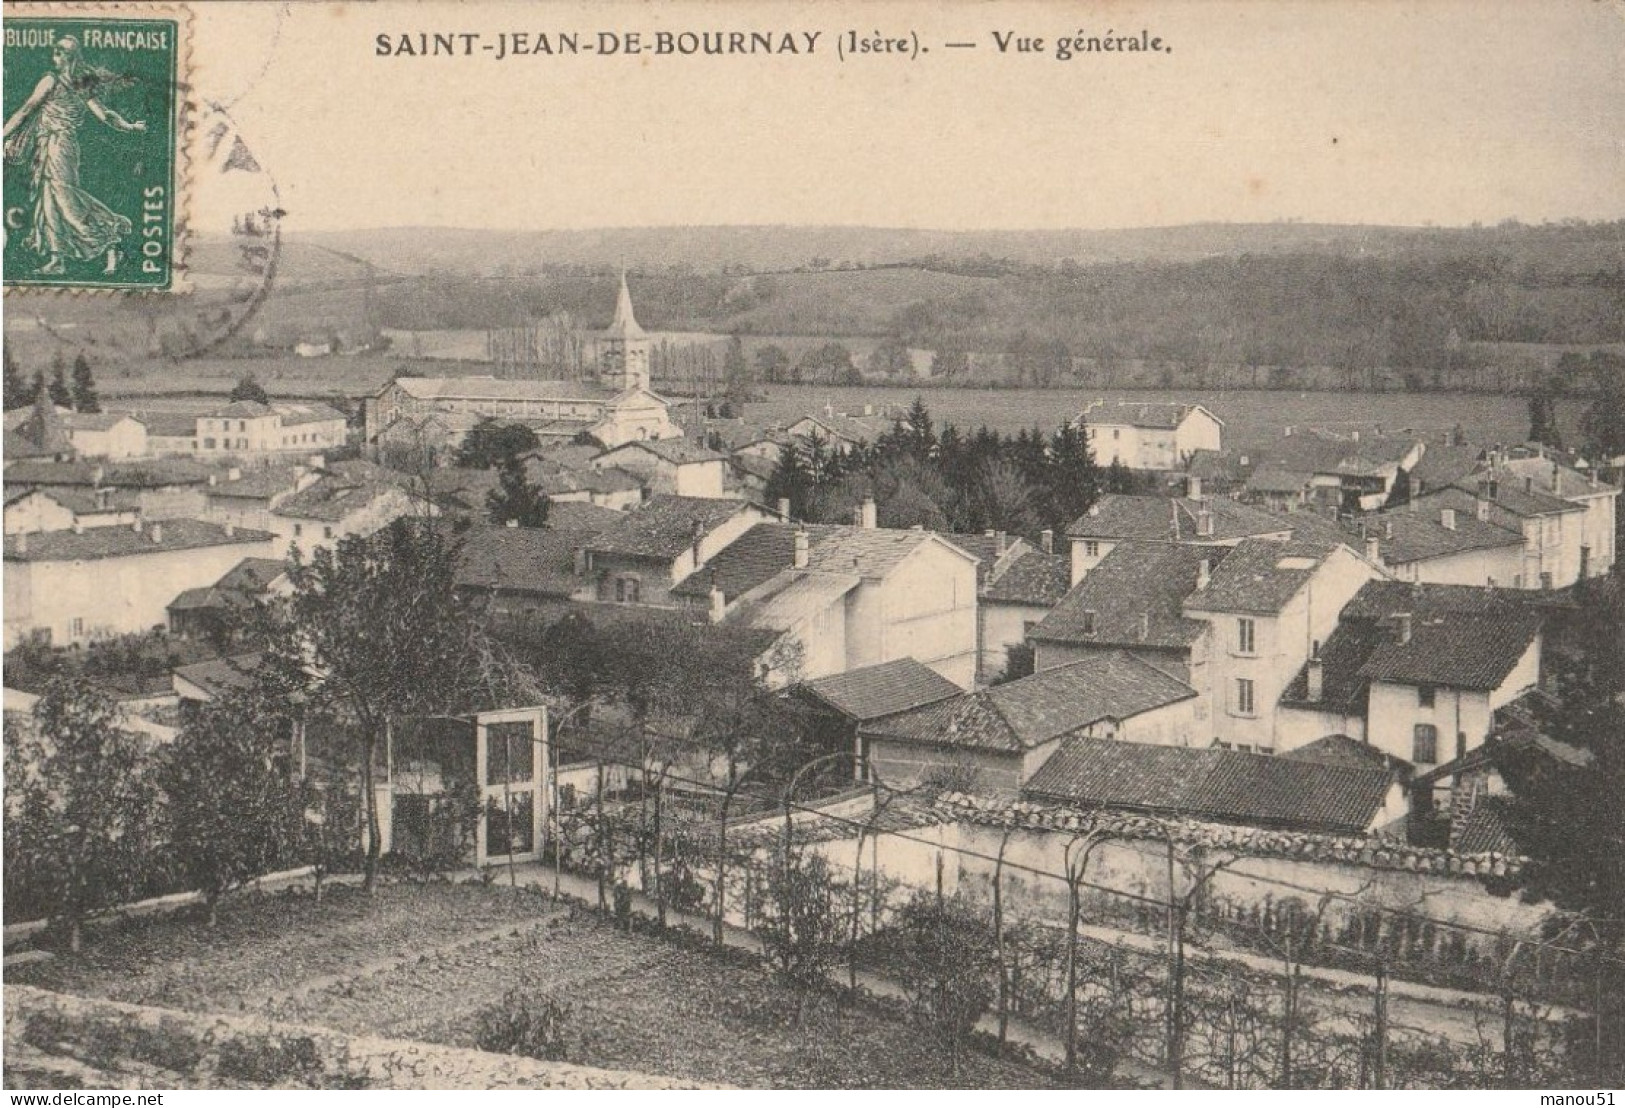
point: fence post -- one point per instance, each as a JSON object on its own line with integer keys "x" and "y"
{"x": 1379, "y": 1053}
{"x": 998, "y": 939}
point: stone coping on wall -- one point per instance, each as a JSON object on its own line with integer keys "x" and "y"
{"x": 1371, "y": 851}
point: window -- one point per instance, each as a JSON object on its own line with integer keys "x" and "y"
{"x": 626, "y": 590}
{"x": 327, "y": 532}
{"x": 1091, "y": 550}
{"x": 208, "y": 444}
{"x": 298, "y": 529}
{"x": 76, "y": 629}
{"x": 1116, "y": 434}
{"x": 1244, "y": 636}
{"x": 1461, "y": 743}
{"x": 1425, "y": 696}
{"x": 1425, "y": 745}
{"x": 1244, "y": 696}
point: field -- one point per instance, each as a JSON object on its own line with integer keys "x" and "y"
{"x": 421, "y": 962}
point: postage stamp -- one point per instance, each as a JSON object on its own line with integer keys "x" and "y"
{"x": 93, "y": 107}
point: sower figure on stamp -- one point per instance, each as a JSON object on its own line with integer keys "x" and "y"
{"x": 67, "y": 222}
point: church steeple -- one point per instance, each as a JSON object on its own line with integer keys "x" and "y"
{"x": 623, "y": 352}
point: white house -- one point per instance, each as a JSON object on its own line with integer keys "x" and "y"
{"x": 113, "y": 580}
{"x": 1150, "y": 436}
{"x": 1599, "y": 498}
{"x": 1192, "y": 520}
{"x": 674, "y": 467}
{"x": 249, "y": 427}
{"x": 1428, "y": 542}
{"x": 111, "y": 435}
{"x": 349, "y": 498}
{"x": 1269, "y": 605}
{"x": 639, "y": 559}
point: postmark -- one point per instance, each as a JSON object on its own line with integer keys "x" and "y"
{"x": 94, "y": 144}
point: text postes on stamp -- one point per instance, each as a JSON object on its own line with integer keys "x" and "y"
{"x": 92, "y": 108}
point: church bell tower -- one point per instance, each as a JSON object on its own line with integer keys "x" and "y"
{"x": 623, "y": 349}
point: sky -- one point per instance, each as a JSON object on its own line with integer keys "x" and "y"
{"x": 1346, "y": 111}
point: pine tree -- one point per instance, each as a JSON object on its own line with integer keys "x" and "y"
{"x": 37, "y": 386}
{"x": 61, "y": 394}
{"x": 790, "y": 481}
{"x": 1072, "y": 479}
{"x": 249, "y": 389}
{"x": 84, "y": 387}
{"x": 17, "y": 393}
{"x": 515, "y": 500}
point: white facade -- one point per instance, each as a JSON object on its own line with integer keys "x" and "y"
{"x": 701, "y": 477}
{"x": 1460, "y": 719}
{"x": 1115, "y": 438}
{"x": 113, "y": 437}
{"x": 1253, "y": 657}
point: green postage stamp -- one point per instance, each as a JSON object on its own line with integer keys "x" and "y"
{"x": 93, "y": 107}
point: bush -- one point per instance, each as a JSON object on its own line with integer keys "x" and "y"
{"x": 531, "y": 1027}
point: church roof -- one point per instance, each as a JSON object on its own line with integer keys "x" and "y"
{"x": 625, "y": 324}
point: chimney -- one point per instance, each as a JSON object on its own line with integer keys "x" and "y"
{"x": 1145, "y": 625}
{"x": 999, "y": 543}
{"x": 868, "y": 409}
{"x": 1089, "y": 622}
{"x": 1528, "y": 484}
{"x": 1193, "y": 487}
{"x": 96, "y": 475}
{"x": 1418, "y": 486}
{"x": 1356, "y": 436}
{"x": 135, "y": 525}
{"x": 581, "y": 562}
{"x": 784, "y": 507}
{"x": 1289, "y": 431}
{"x": 1387, "y": 530}
{"x": 1046, "y": 541}
{"x": 801, "y": 550}
{"x": 1204, "y": 523}
{"x": 1317, "y": 677}
{"x": 696, "y": 536}
{"x": 231, "y": 530}
{"x": 1554, "y": 476}
{"x": 157, "y": 533}
{"x": 1447, "y": 518}
{"x": 22, "y": 542}
{"x": 78, "y": 526}
{"x": 1373, "y": 549}
{"x": 719, "y": 603}
{"x": 1481, "y": 507}
{"x": 1204, "y": 573}
{"x": 214, "y": 479}
{"x": 1402, "y": 622}
{"x": 868, "y": 511}
{"x": 1494, "y": 488}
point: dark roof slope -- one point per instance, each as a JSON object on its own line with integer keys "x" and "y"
{"x": 1134, "y": 597}
{"x": 537, "y": 560}
{"x": 1342, "y": 656}
{"x": 1034, "y": 578}
{"x": 1173, "y": 519}
{"x": 1418, "y": 533}
{"x": 1260, "y": 575}
{"x": 123, "y": 542}
{"x": 881, "y": 690}
{"x": 750, "y": 560}
{"x": 1456, "y": 650}
{"x": 665, "y": 526}
{"x": 1222, "y": 785}
{"x": 1051, "y": 703}
{"x": 675, "y": 451}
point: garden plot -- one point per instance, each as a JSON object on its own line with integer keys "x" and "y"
{"x": 423, "y": 962}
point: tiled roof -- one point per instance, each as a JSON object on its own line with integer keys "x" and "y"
{"x": 665, "y": 526}
{"x": 240, "y": 409}
{"x": 1319, "y": 453}
{"x": 1553, "y": 478}
{"x": 1222, "y": 785}
{"x": 1510, "y": 505}
{"x": 92, "y": 421}
{"x": 880, "y": 690}
{"x": 1222, "y": 468}
{"x": 537, "y": 560}
{"x": 870, "y": 551}
{"x": 1033, "y": 710}
{"x": 1034, "y": 578}
{"x": 1274, "y": 478}
{"x": 675, "y": 451}
{"x": 1443, "y": 464}
{"x": 294, "y": 415}
{"x": 791, "y": 597}
{"x": 342, "y": 490}
{"x": 750, "y": 560}
{"x": 257, "y": 483}
{"x": 173, "y": 425}
{"x": 157, "y": 473}
{"x": 581, "y": 516}
{"x": 1341, "y": 750}
{"x": 495, "y": 388}
{"x": 220, "y": 675}
{"x": 123, "y": 542}
{"x": 252, "y": 574}
{"x": 1342, "y": 655}
{"x": 1259, "y": 575}
{"x": 1456, "y": 650}
{"x": 1155, "y": 417}
{"x": 1417, "y": 533}
{"x": 51, "y": 473}
{"x": 1134, "y": 597}
{"x": 1381, "y": 599}
{"x": 1176, "y": 519}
